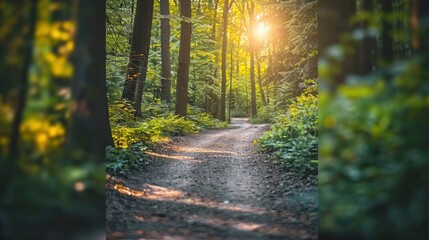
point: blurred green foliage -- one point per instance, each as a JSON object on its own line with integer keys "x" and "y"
{"x": 373, "y": 146}
{"x": 373, "y": 181}
{"x": 49, "y": 190}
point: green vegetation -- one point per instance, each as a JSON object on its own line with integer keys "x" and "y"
{"x": 59, "y": 114}
{"x": 293, "y": 138}
{"x": 132, "y": 136}
{"x": 284, "y": 93}
{"x": 374, "y": 108}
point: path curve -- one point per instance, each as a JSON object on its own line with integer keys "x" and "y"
{"x": 211, "y": 185}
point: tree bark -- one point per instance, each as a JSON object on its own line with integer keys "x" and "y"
{"x": 420, "y": 12}
{"x": 261, "y": 87}
{"x": 165, "y": 51}
{"x": 333, "y": 22}
{"x": 23, "y": 88}
{"x": 387, "y": 51}
{"x": 139, "y": 50}
{"x": 366, "y": 56}
{"x": 230, "y": 83}
{"x": 184, "y": 58}
{"x": 223, "y": 67}
{"x": 251, "y": 10}
{"x": 89, "y": 127}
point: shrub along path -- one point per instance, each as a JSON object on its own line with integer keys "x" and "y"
{"x": 212, "y": 185}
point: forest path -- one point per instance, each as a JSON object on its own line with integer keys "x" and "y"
{"x": 211, "y": 185}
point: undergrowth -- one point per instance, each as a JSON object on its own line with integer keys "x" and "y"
{"x": 294, "y": 137}
{"x": 133, "y": 136}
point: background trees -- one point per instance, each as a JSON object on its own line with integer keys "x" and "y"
{"x": 284, "y": 56}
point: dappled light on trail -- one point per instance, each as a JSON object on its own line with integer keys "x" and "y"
{"x": 207, "y": 186}
{"x": 174, "y": 157}
{"x": 200, "y": 150}
{"x": 158, "y": 193}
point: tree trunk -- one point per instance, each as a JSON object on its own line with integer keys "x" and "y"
{"x": 333, "y": 22}
{"x": 184, "y": 58}
{"x": 165, "y": 51}
{"x": 387, "y": 51}
{"x": 23, "y": 88}
{"x": 261, "y": 87}
{"x": 224, "y": 46}
{"x": 89, "y": 127}
{"x": 366, "y": 56}
{"x": 139, "y": 50}
{"x": 230, "y": 84}
{"x": 252, "y": 58}
{"x": 420, "y": 12}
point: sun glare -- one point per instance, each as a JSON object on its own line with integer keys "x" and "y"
{"x": 261, "y": 30}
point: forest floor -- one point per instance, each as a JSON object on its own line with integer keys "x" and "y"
{"x": 212, "y": 185}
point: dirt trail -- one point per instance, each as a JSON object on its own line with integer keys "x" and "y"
{"x": 211, "y": 185}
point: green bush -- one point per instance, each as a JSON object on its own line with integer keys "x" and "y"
{"x": 239, "y": 112}
{"x": 206, "y": 121}
{"x": 266, "y": 114}
{"x": 294, "y": 137}
{"x": 373, "y": 180}
{"x": 121, "y": 113}
{"x": 122, "y": 159}
{"x": 172, "y": 126}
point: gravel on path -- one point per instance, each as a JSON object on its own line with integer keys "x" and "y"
{"x": 212, "y": 185}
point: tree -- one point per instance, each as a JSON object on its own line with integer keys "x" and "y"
{"x": 387, "y": 52}
{"x": 367, "y": 46}
{"x": 23, "y": 87}
{"x": 139, "y": 56}
{"x": 165, "y": 51}
{"x": 251, "y": 10}
{"x": 261, "y": 86}
{"x": 184, "y": 58}
{"x": 89, "y": 127}
{"x": 332, "y": 15}
{"x": 226, "y": 8}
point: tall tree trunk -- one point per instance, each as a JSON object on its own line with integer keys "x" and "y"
{"x": 251, "y": 10}
{"x": 213, "y": 97}
{"x": 89, "y": 127}
{"x": 139, "y": 50}
{"x": 261, "y": 87}
{"x": 387, "y": 51}
{"x": 420, "y": 13}
{"x": 230, "y": 83}
{"x": 333, "y": 22}
{"x": 165, "y": 51}
{"x": 23, "y": 88}
{"x": 184, "y": 58}
{"x": 366, "y": 56}
{"x": 224, "y": 49}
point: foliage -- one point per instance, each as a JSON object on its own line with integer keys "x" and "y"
{"x": 132, "y": 137}
{"x": 49, "y": 190}
{"x": 373, "y": 144}
{"x": 121, "y": 113}
{"x": 206, "y": 121}
{"x": 266, "y": 114}
{"x": 172, "y": 126}
{"x": 122, "y": 159}
{"x": 374, "y": 156}
{"x": 294, "y": 137}
{"x": 295, "y": 47}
